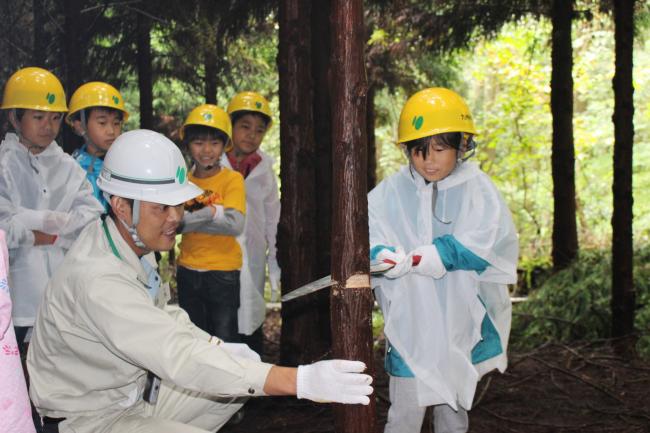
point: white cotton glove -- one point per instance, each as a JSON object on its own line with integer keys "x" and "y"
{"x": 430, "y": 262}
{"x": 334, "y": 381}
{"x": 275, "y": 274}
{"x": 403, "y": 262}
{"x": 241, "y": 350}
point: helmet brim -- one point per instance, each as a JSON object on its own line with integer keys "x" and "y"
{"x": 175, "y": 197}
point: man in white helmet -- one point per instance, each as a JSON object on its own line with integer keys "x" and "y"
{"x": 105, "y": 336}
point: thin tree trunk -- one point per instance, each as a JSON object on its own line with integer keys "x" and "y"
{"x": 623, "y": 292}
{"x": 145, "y": 76}
{"x": 74, "y": 47}
{"x": 351, "y": 299}
{"x": 40, "y": 36}
{"x": 297, "y": 237}
{"x": 565, "y": 234}
{"x": 210, "y": 55}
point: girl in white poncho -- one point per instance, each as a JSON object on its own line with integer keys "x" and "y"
{"x": 447, "y": 319}
{"x": 45, "y": 199}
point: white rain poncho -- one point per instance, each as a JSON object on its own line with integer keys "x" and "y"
{"x": 48, "y": 192}
{"x": 434, "y": 324}
{"x": 259, "y": 242}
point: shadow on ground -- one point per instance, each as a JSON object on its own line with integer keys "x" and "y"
{"x": 554, "y": 388}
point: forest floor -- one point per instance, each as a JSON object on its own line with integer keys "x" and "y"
{"x": 583, "y": 387}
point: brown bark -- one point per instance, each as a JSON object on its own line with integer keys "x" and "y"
{"x": 565, "y": 234}
{"x": 623, "y": 291}
{"x": 372, "y": 143}
{"x": 297, "y": 234}
{"x": 40, "y": 36}
{"x": 320, "y": 49}
{"x": 145, "y": 76}
{"x": 351, "y": 299}
{"x": 210, "y": 55}
{"x": 74, "y": 47}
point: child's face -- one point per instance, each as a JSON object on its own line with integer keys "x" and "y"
{"x": 206, "y": 152}
{"x": 102, "y": 127}
{"x": 40, "y": 128}
{"x": 248, "y": 133}
{"x": 438, "y": 164}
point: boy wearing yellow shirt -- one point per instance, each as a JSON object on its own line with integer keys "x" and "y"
{"x": 211, "y": 257}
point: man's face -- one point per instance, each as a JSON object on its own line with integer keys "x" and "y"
{"x": 103, "y": 127}
{"x": 158, "y": 224}
{"x": 247, "y": 134}
{"x": 39, "y": 127}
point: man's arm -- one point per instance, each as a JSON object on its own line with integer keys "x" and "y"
{"x": 214, "y": 220}
{"x": 281, "y": 381}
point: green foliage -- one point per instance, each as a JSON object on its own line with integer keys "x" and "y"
{"x": 574, "y": 304}
{"x": 506, "y": 83}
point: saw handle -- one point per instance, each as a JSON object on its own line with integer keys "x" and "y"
{"x": 416, "y": 261}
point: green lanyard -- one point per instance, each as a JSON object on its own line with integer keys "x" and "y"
{"x": 110, "y": 240}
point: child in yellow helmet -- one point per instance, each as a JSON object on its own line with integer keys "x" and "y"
{"x": 251, "y": 118}
{"x": 97, "y": 113}
{"x": 447, "y": 318}
{"x": 211, "y": 257}
{"x": 45, "y": 199}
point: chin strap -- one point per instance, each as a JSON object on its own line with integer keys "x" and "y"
{"x": 206, "y": 167}
{"x": 133, "y": 231}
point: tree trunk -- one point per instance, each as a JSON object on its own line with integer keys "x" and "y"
{"x": 623, "y": 292}
{"x": 210, "y": 54}
{"x": 145, "y": 76}
{"x": 320, "y": 49}
{"x": 39, "y": 54}
{"x": 297, "y": 237}
{"x": 565, "y": 234}
{"x": 372, "y": 143}
{"x": 74, "y": 47}
{"x": 351, "y": 299}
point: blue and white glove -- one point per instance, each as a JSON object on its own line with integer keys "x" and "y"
{"x": 430, "y": 262}
{"x": 334, "y": 381}
{"x": 403, "y": 262}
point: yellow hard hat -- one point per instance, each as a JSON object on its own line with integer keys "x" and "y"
{"x": 211, "y": 116}
{"x": 96, "y": 94}
{"x": 434, "y": 111}
{"x": 250, "y": 101}
{"x": 34, "y": 89}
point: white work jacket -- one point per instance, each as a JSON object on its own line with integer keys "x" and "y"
{"x": 435, "y": 323}
{"x": 99, "y": 331}
{"x": 258, "y": 240}
{"x": 48, "y": 192}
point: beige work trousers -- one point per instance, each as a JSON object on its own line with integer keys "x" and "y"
{"x": 177, "y": 411}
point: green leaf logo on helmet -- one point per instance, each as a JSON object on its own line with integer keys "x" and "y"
{"x": 50, "y": 97}
{"x": 207, "y": 116}
{"x": 116, "y": 100}
{"x": 180, "y": 174}
{"x": 417, "y": 122}
{"x": 258, "y": 104}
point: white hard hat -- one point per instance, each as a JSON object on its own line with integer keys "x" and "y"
{"x": 145, "y": 165}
